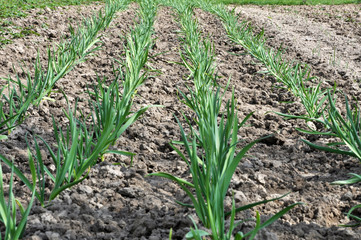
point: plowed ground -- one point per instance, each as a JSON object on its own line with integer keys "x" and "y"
{"x": 120, "y": 202}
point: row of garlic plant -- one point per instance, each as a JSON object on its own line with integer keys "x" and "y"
{"x": 211, "y": 144}
{"x": 320, "y": 104}
{"x": 19, "y": 97}
{"x": 295, "y": 77}
{"x": 61, "y": 60}
{"x": 80, "y": 146}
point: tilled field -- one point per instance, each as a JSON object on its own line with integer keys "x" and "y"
{"x": 120, "y": 202}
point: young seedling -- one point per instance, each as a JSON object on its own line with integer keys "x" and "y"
{"x": 82, "y": 44}
{"x": 294, "y": 76}
{"x": 211, "y": 145}
{"x": 346, "y": 129}
{"x": 8, "y": 209}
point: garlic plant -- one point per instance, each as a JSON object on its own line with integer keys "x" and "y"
{"x": 211, "y": 145}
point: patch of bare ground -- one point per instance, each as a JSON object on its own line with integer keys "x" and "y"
{"x": 326, "y": 37}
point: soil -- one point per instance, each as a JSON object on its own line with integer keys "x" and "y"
{"x": 122, "y": 202}
{"x": 326, "y": 37}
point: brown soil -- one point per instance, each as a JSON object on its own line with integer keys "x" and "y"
{"x": 120, "y": 202}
